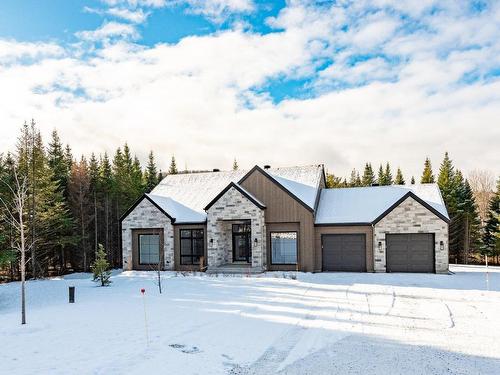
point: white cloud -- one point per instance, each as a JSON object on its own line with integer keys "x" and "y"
{"x": 11, "y": 51}
{"x": 109, "y": 30}
{"x": 189, "y": 98}
{"x": 136, "y": 16}
{"x": 218, "y": 10}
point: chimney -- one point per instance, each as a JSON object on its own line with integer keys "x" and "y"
{"x": 216, "y": 170}
{"x": 267, "y": 166}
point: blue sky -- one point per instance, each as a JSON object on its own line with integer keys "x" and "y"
{"x": 347, "y": 81}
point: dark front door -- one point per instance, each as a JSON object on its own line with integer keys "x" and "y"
{"x": 344, "y": 252}
{"x": 242, "y": 251}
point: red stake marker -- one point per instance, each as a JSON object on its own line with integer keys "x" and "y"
{"x": 143, "y": 291}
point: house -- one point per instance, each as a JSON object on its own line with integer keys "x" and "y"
{"x": 285, "y": 219}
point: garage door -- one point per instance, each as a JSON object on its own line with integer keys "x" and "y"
{"x": 344, "y": 252}
{"x": 410, "y": 252}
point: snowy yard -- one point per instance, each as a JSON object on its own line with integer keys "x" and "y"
{"x": 318, "y": 324}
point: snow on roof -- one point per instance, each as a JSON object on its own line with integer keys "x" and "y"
{"x": 181, "y": 213}
{"x": 365, "y": 204}
{"x": 194, "y": 191}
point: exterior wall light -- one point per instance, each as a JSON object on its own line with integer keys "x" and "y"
{"x": 255, "y": 240}
{"x": 211, "y": 241}
{"x": 379, "y": 245}
{"x": 441, "y": 245}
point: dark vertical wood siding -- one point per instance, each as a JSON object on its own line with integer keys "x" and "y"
{"x": 282, "y": 208}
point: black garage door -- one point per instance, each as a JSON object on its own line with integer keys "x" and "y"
{"x": 344, "y": 252}
{"x": 410, "y": 252}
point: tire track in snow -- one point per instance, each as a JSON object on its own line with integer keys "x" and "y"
{"x": 452, "y": 319}
{"x": 270, "y": 361}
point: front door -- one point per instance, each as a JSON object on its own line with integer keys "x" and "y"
{"x": 242, "y": 251}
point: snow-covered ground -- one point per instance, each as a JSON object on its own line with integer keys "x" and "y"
{"x": 330, "y": 323}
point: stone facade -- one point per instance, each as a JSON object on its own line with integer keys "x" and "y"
{"x": 147, "y": 216}
{"x": 411, "y": 217}
{"x": 233, "y": 206}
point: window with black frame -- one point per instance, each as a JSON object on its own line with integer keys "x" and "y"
{"x": 192, "y": 246}
{"x": 284, "y": 247}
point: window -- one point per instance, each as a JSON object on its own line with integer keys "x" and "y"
{"x": 149, "y": 248}
{"x": 284, "y": 247}
{"x": 192, "y": 246}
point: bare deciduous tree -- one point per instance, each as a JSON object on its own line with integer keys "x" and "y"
{"x": 482, "y": 183}
{"x": 15, "y": 211}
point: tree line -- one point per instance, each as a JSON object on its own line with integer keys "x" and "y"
{"x": 72, "y": 205}
{"x": 472, "y": 232}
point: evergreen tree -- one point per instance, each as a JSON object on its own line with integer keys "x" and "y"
{"x": 80, "y": 198}
{"x": 100, "y": 268}
{"x": 151, "y": 174}
{"x": 50, "y": 222}
{"x": 446, "y": 182}
{"x": 58, "y": 163}
{"x": 235, "y": 165}
{"x": 427, "y": 175}
{"x": 381, "y": 176}
{"x": 94, "y": 179}
{"x": 399, "y": 178}
{"x": 491, "y": 233}
{"x": 333, "y": 182}
{"x": 388, "y": 174}
{"x": 173, "y": 167}
{"x": 354, "y": 180}
{"x": 106, "y": 189}
{"x": 368, "y": 176}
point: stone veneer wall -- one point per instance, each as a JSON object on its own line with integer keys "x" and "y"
{"x": 411, "y": 217}
{"x": 147, "y": 216}
{"x": 234, "y": 206}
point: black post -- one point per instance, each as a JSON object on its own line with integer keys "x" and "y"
{"x": 71, "y": 294}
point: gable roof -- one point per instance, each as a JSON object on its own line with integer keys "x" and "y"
{"x": 153, "y": 202}
{"x": 242, "y": 191}
{"x": 368, "y": 205}
{"x": 194, "y": 191}
{"x": 301, "y": 183}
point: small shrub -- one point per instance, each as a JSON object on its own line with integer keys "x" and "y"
{"x": 100, "y": 268}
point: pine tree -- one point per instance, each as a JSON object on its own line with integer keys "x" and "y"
{"x": 446, "y": 182}
{"x": 80, "y": 198}
{"x": 368, "y": 176}
{"x": 399, "y": 178}
{"x": 427, "y": 175}
{"x": 333, "y": 182}
{"x": 100, "y": 268}
{"x": 58, "y": 163}
{"x": 235, "y": 165}
{"x": 50, "y": 222}
{"x": 354, "y": 180}
{"x": 388, "y": 174}
{"x": 106, "y": 189}
{"x": 94, "y": 178}
{"x": 173, "y": 167}
{"x": 491, "y": 233}
{"x": 151, "y": 174}
{"x": 381, "y": 176}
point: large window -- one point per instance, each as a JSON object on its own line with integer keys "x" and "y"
{"x": 284, "y": 247}
{"x": 192, "y": 246}
{"x": 149, "y": 248}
